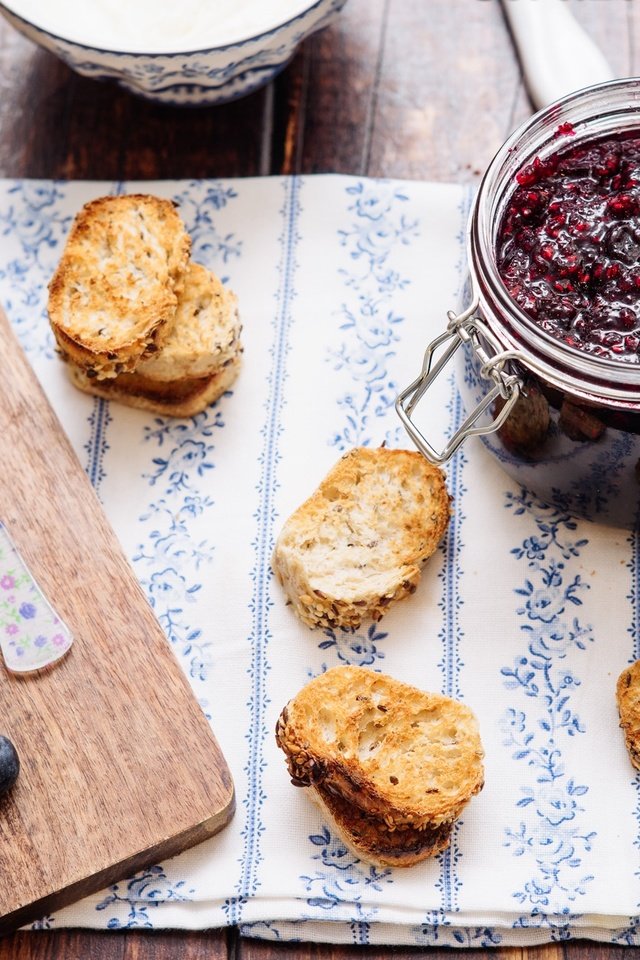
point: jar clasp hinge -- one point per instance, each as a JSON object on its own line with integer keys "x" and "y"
{"x": 463, "y": 328}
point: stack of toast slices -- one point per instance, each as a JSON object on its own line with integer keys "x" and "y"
{"x": 391, "y": 766}
{"x": 134, "y": 318}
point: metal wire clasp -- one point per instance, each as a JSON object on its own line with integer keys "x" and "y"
{"x": 463, "y": 328}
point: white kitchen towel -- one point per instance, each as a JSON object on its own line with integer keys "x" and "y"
{"x": 522, "y": 613}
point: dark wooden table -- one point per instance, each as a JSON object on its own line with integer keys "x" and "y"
{"x": 424, "y": 89}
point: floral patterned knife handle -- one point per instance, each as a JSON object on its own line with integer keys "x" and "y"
{"x": 32, "y": 636}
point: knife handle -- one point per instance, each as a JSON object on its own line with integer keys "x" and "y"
{"x": 556, "y": 54}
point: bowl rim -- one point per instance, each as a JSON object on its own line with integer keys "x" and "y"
{"x": 309, "y": 7}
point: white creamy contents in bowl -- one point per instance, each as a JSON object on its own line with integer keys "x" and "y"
{"x": 157, "y": 26}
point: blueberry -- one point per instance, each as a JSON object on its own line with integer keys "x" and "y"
{"x": 9, "y": 765}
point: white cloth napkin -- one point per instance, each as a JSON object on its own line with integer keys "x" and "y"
{"x": 525, "y": 615}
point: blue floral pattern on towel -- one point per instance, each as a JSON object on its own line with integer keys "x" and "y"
{"x": 32, "y": 215}
{"x": 129, "y": 905}
{"x": 551, "y": 832}
{"x": 185, "y": 455}
{"x": 340, "y": 876}
{"x": 359, "y": 647}
{"x": 381, "y": 225}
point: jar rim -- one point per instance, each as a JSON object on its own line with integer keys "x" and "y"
{"x": 591, "y": 112}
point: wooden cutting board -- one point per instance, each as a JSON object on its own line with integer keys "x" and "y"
{"x": 119, "y": 766}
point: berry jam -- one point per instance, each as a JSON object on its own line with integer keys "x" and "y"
{"x": 568, "y": 246}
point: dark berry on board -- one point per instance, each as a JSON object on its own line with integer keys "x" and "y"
{"x": 9, "y": 765}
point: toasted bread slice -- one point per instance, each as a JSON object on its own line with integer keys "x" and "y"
{"x": 178, "y": 398}
{"x": 399, "y": 754}
{"x": 628, "y": 697}
{"x": 204, "y": 333}
{"x": 358, "y": 544}
{"x": 201, "y": 338}
{"x": 117, "y": 281}
{"x": 102, "y": 366}
{"x": 371, "y": 839}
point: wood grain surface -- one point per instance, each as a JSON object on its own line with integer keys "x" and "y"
{"x": 119, "y": 768}
{"x": 423, "y": 89}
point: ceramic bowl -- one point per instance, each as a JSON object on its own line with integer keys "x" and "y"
{"x": 213, "y": 74}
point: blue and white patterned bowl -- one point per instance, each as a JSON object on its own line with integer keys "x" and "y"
{"x": 193, "y": 78}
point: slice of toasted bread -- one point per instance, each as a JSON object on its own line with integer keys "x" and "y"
{"x": 357, "y": 545}
{"x": 117, "y": 281}
{"x": 204, "y": 333}
{"x": 628, "y": 698}
{"x": 399, "y": 754}
{"x": 102, "y": 366}
{"x": 372, "y": 839}
{"x": 177, "y": 398}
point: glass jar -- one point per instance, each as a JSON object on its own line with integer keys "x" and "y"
{"x": 564, "y": 423}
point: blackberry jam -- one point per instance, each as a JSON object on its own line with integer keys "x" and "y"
{"x": 568, "y": 248}
{"x": 548, "y": 334}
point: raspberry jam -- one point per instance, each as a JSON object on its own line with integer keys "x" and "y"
{"x": 568, "y": 246}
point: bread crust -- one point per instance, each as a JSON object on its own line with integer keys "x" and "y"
{"x": 372, "y": 839}
{"x": 117, "y": 281}
{"x": 400, "y": 755}
{"x": 358, "y": 544}
{"x": 103, "y": 366}
{"x": 628, "y": 700}
{"x": 179, "y": 398}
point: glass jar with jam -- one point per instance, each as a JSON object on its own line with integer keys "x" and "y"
{"x": 550, "y": 330}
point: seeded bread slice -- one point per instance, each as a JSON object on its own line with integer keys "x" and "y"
{"x": 204, "y": 333}
{"x": 628, "y": 698}
{"x": 372, "y": 840}
{"x": 117, "y": 281}
{"x": 358, "y": 544}
{"x": 399, "y": 754}
{"x": 102, "y": 366}
{"x": 177, "y": 398}
{"x": 202, "y": 337}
